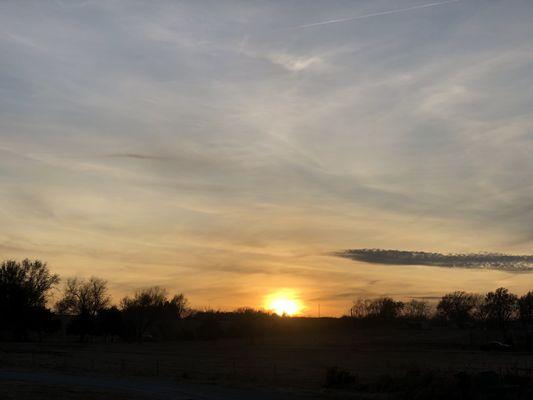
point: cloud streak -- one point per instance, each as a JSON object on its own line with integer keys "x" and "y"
{"x": 376, "y": 14}
{"x": 137, "y": 156}
{"x": 503, "y": 262}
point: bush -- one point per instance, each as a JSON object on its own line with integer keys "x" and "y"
{"x": 339, "y": 378}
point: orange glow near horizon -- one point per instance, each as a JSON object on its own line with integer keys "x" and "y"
{"x": 284, "y": 302}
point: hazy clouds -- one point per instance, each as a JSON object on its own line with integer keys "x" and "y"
{"x": 220, "y": 139}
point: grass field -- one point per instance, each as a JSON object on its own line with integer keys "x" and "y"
{"x": 297, "y": 362}
{"x": 20, "y": 390}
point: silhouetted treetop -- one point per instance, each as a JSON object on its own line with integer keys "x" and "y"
{"x": 459, "y": 307}
{"x": 150, "y": 311}
{"x": 24, "y": 288}
{"x": 525, "y": 307}
{"x": 81, "y": 297}
{"x": 25, "y": 283}
{"x": 500, "y": 306}
{"x": 383, "y": 308}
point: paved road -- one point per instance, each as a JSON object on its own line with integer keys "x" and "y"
{"x": 159, "y": 390}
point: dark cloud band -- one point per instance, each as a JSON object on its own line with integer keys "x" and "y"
{"x": 497, "y": 261}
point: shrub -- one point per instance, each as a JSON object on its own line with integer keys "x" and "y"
{"x": 339, "y": 378}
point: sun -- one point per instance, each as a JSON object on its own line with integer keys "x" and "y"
{"x": 283, "y": 303}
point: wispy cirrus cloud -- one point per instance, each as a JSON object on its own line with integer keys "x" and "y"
{"x": 138, "y": 156}
{"x": 297, "y": 64}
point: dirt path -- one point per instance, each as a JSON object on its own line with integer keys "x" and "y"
{"x": 149, "y": 389}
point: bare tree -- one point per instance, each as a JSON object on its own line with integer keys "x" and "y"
{"x": 149, "y": 310}
{"x": 458, "y": 307}
{"x": 525, "y": 308}
{"x": 82, "y": 297}
{"x": 416, "y": 309}
{"x": 500, "y": 306}
{"x": 525, "y": 313}
{"x": 24, "y": 288}
{"x": 360, "y": 308}
{"x": 27, "y": 281}
{"x": 385, "y": 308}
{"x": 84, "y": 300}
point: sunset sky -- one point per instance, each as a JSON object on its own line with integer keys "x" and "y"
{"x": 226, "y": 148}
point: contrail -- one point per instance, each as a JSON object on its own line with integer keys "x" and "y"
{"x": 399, "y": 10}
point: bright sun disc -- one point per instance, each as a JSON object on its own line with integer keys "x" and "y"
{"x": 283, "y": 303}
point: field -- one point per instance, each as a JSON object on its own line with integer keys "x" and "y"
{"x": 291, "y": 364}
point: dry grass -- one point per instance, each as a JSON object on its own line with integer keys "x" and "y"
{"x": 295, "y": 361}
{"x": 32, "y": 391}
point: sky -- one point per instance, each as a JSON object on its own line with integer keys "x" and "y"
{"x": 225, "y": 149}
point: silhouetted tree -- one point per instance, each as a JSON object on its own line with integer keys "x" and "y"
{"x": 385, "y": 308}
{"x": 525, "y": 314}
{"x": 458, "y": 307}
{"x": 525, "y": 308}
{"x": 416, "y": 309}
{"x": 109, "y": 323}
{"x": 24, "y": 288}
{"x": 500, "y": 307}
{"x": 84, "y": 300}
{"x": 360, "y": 308}
{"x": 150, "y": 309}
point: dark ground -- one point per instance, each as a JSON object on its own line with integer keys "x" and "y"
{"x": 289, "y": 366}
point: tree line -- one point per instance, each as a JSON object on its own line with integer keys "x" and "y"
{"x": 84, "y": 309}
{"x": 25, "y": 293}
{"x": 497, "y": 309}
